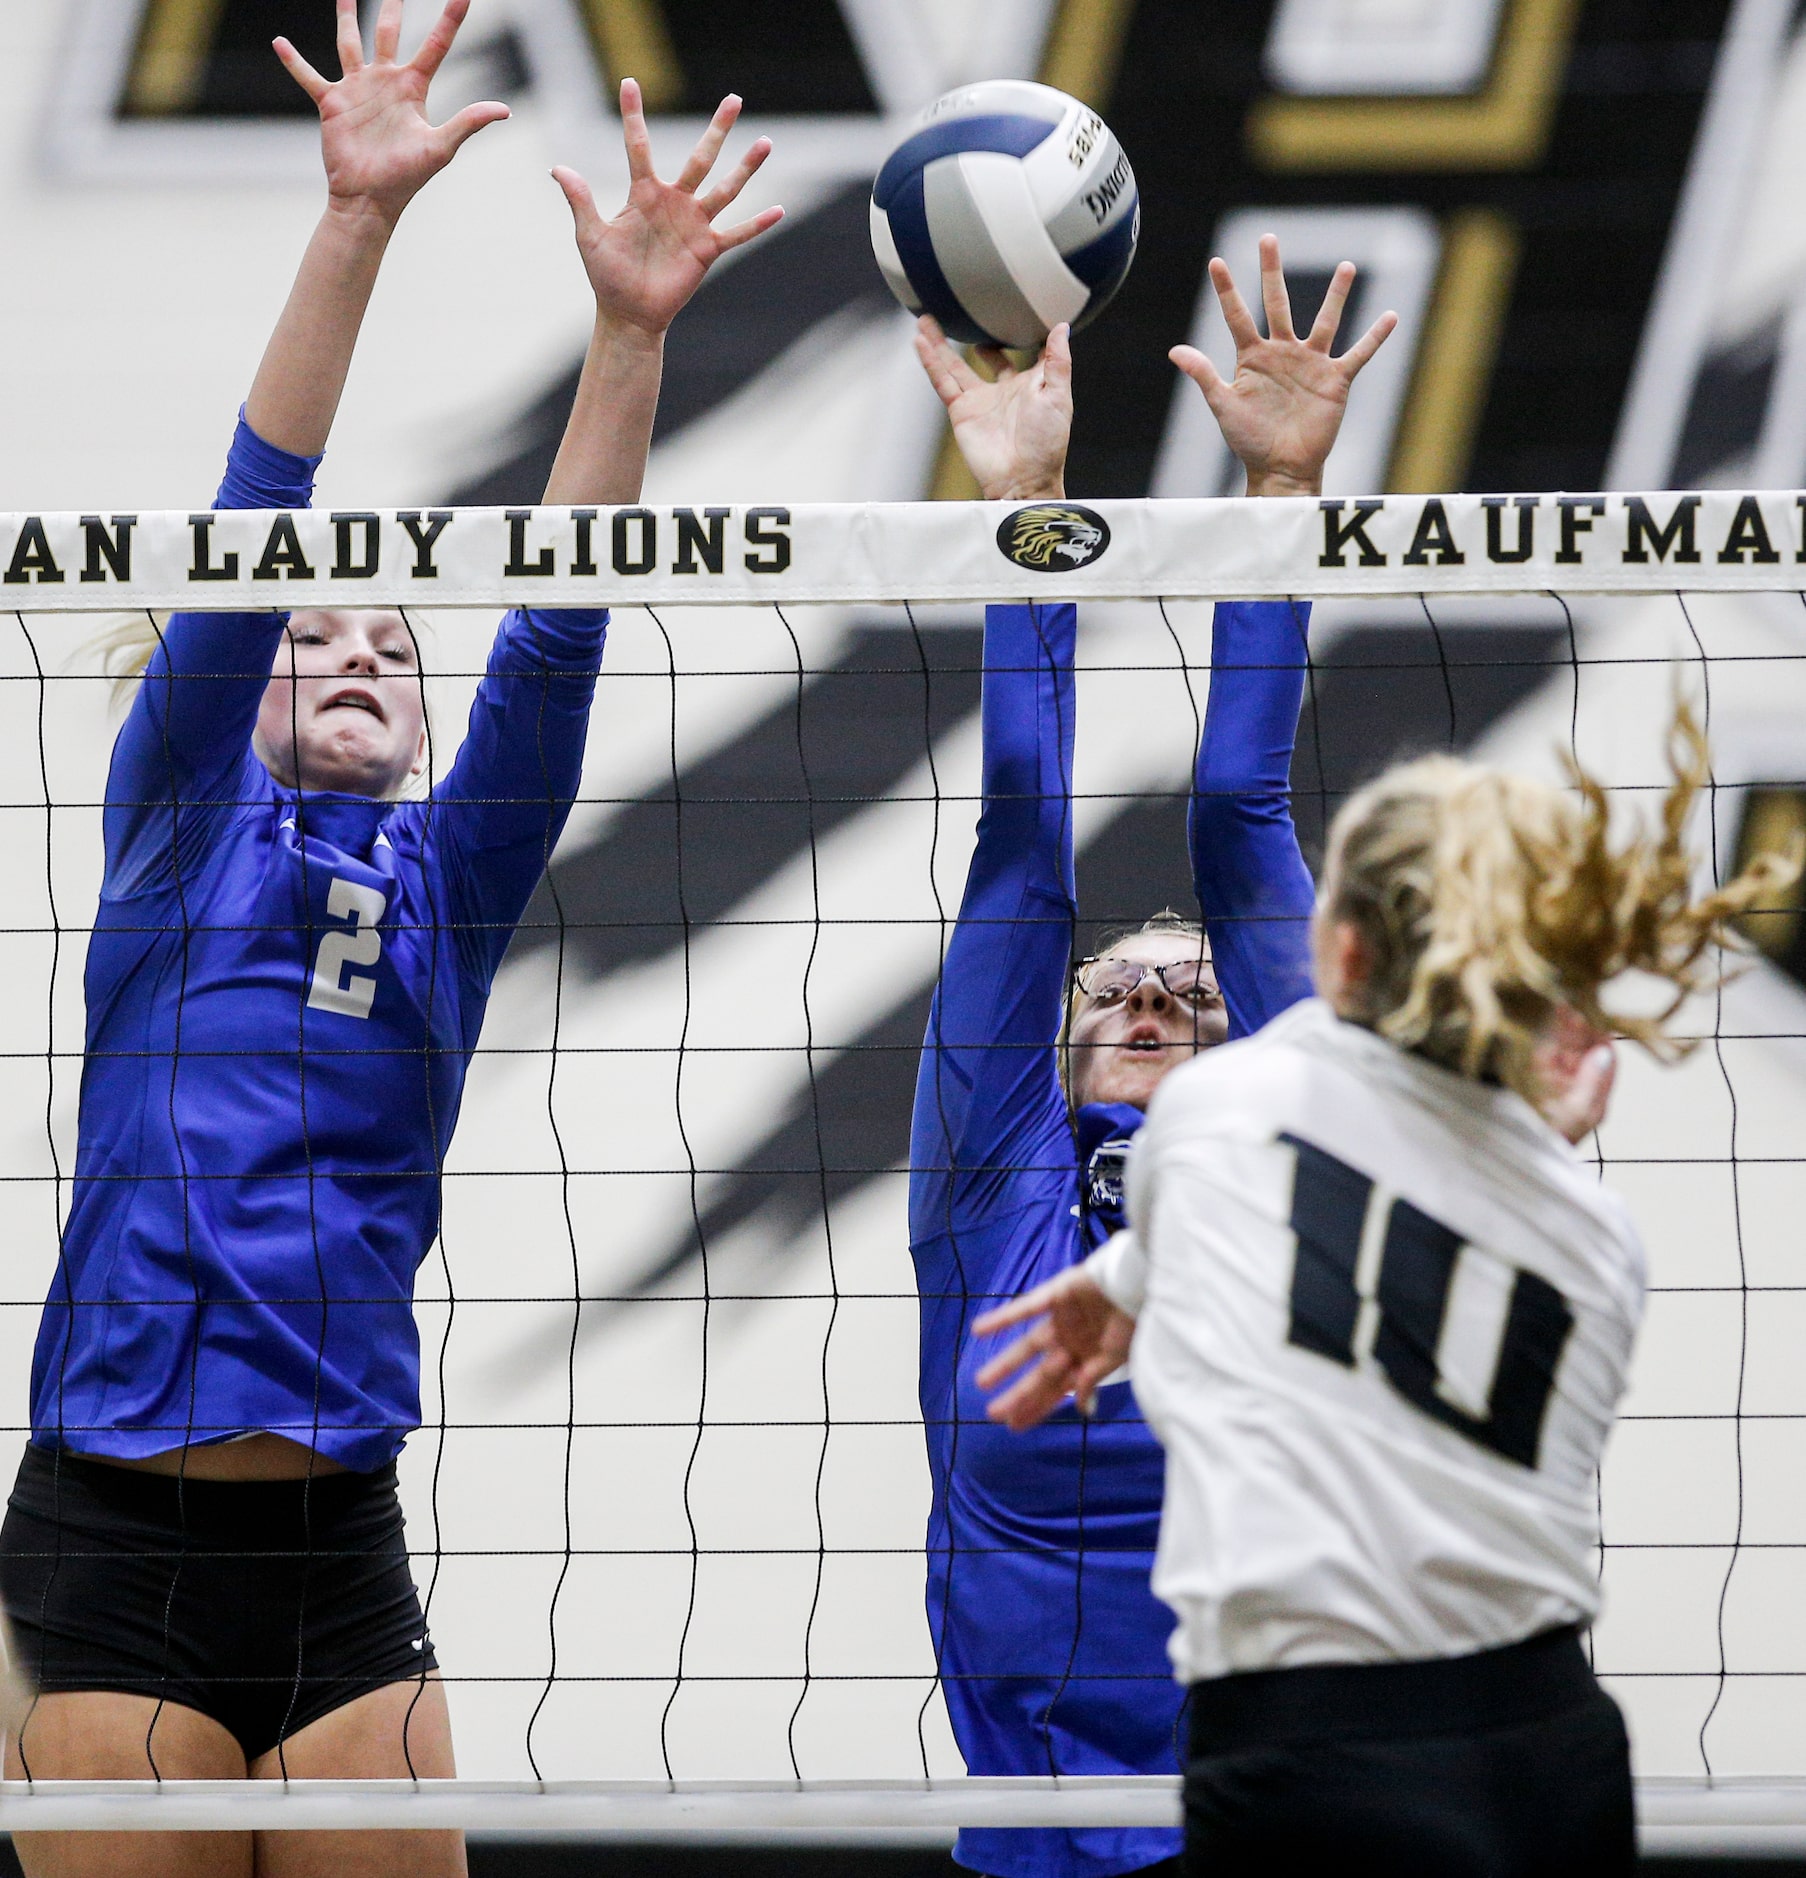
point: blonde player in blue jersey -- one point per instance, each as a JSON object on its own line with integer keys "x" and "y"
{"x": 1034, "y": 1078}
{"x": 204, "y": 1555}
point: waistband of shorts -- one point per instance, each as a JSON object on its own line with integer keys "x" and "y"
{"x": 57, "y": 1484}
{"x": 1521, "y": 1682}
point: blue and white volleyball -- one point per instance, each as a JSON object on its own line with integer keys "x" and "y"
{"x": 1009, "y": 208}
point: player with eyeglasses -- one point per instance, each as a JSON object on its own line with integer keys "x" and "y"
{"x": 1381, "y": 1315}
{"x": 1034, "y": 1078}
{"x": 1109, "y": 981}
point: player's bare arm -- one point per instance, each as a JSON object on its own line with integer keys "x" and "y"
{"x": 643, "y": 263}
{"x": 379, "y": 149}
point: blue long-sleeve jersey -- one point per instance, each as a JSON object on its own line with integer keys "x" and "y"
{"x": 1050, "y": 1643}
{"x": 283, "y": 993}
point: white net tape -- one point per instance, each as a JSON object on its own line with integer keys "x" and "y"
{"x": 1722, "y": 541}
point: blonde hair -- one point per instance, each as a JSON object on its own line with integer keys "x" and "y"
{"x": 126, "y": 647}
{"x": 1164, "y": 922}
{"x": 1487, "y": 901}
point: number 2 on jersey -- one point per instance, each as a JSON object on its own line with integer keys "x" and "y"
{"x": 332, "y": 989}
{"x": 1415, "y": 1277}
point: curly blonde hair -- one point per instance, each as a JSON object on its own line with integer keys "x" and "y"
{"x": 1486, "y": 902}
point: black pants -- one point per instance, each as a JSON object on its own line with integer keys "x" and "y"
{"x": 263, "y": 1604}
{"x": 1510, "y": 1764}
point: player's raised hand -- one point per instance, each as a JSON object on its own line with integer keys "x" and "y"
{"x": 1012, "y": 430}
{"x": 647, "y": 261}
{"x": 378, "y": 146}
{"x": 1576, "y": 1066}
{"x": 1281, "y": 410}
{"x": 1079, "y": 1339}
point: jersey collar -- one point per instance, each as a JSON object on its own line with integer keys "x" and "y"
{"x": 1103, "y": 1131}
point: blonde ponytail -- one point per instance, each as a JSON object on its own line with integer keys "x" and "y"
{"x": 126, "y": 647}
{"x": 1486, "y": 901}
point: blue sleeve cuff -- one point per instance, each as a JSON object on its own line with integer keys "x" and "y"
{"x": 563, "y": 638}
{"x": 259, "y": 476}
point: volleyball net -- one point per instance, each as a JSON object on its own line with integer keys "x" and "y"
{"x": 668, "y": 1504}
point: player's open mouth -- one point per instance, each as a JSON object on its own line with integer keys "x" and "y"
{"x": 353, "y": 701}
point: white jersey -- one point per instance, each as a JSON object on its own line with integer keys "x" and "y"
{"x": 1385, "y": 1317}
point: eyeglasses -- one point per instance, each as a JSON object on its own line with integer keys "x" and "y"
{"x": 1110, "y": 981}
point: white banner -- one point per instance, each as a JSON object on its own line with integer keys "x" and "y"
{"x": 1721, "y": 540}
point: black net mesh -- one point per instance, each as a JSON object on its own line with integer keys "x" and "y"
{"x": 666, "y": 1510}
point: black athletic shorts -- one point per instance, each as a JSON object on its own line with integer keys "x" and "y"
{"x": 1502, "y": 1765}
{"x": 264, "y": 1604}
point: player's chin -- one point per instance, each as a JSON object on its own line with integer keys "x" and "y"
{"x": 351, "y": 761}
{"x": 1132, "y": 1076}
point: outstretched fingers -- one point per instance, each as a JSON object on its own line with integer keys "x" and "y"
{"x": 997, "y": 362}
{"x": 1236, "y": 316}
{"x": 350, "y": 40}
{"x": 743, "y": 232}
{"x": 1056, "y": 360}
{"x": 1039, "y": 1343}
{"x": 713, "y": 201}
{"x": 300, "y": 71}
{"x": 708, "y": 146}
{"x": 1593, "y": 1085}
{"x": 438, "y": 42}
{"x": 387, "y": 38}
{"x": 1369, "y": 343}
{"x": 1273, "y": 290}
{"x": 1576, "y": 1065}
{"x": 579, "y": 195}
{"x": 1200, "y": 371}
{"x": 1329, "y": 315}
{"x": 1037, "y": 1394}
{"x": 1093, "y": 1371}
{"x": 473, "y": 118}
{"x": 951, "y": 378}
{"x": 1031, "y": 1303}
{"x": 634, "y": 133}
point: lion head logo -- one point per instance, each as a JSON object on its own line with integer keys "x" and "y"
{"x": 1104, "y": 1175}
{"x": 1052, "y": 537}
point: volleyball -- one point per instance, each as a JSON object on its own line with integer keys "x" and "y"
{"x": 1008, "y": 208}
